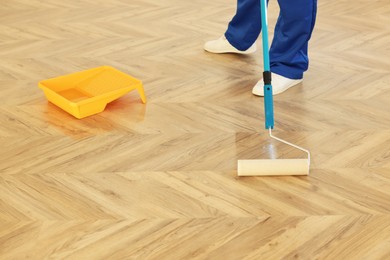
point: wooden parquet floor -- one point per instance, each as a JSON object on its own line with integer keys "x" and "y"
{"x": 158, "y": 181}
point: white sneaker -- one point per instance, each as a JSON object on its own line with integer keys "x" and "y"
{"x": 279, "y": 85}
{"x": 222, "y": 45}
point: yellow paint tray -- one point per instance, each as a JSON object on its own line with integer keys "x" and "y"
{"x": 86, "y": 93}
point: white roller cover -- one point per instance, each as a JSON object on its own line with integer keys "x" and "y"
{"x": 273, "y": 167}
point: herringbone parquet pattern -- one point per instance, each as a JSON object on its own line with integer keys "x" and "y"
{"x": 158, "y": 181}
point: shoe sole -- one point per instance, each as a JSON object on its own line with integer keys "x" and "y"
{"x": 231, "y": 51}
{"x": 274, "y": 93}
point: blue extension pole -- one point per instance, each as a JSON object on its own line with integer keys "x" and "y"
{"x": 268, "y": 99}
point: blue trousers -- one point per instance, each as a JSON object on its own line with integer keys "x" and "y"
{"x": 288, "y": 51}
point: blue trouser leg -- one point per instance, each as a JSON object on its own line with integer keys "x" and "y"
{"x": 288, "y": 52}
{"x": 245, "y": 27}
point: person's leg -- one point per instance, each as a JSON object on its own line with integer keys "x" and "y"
{"x": 288, "y": 52}
{"x": 244, "y": 29}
